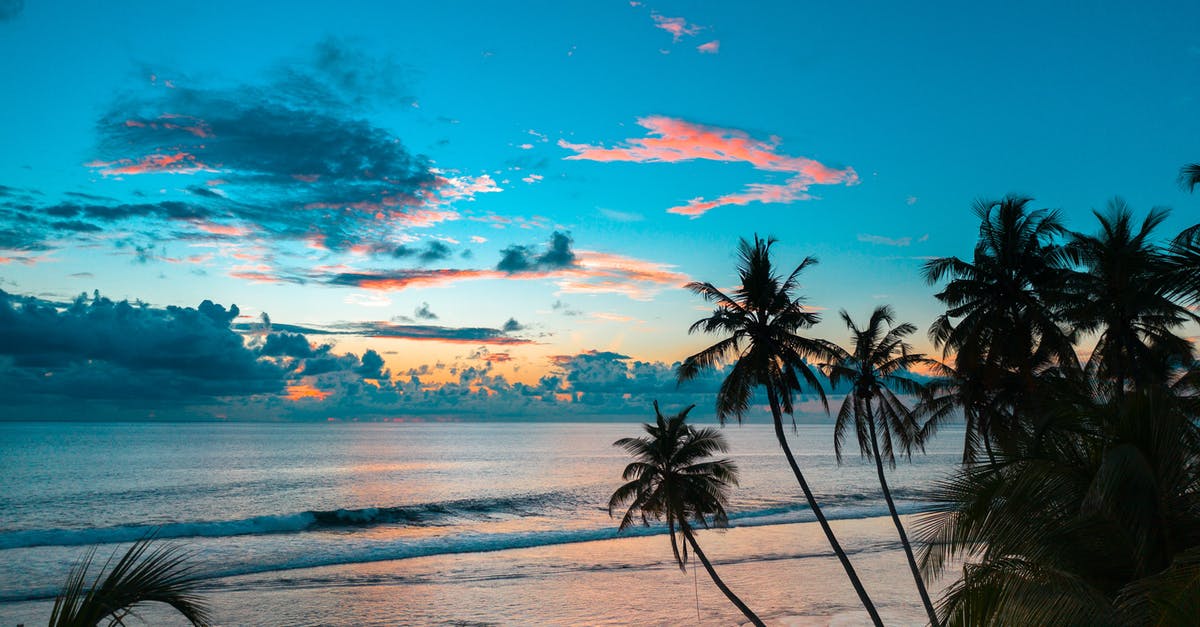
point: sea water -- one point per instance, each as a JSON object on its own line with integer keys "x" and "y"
{"x": 341, "y": 511}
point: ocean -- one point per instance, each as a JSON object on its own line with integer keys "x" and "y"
{"x": 443, "y": 523}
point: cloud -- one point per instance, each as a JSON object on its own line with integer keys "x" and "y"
{"x": 367, "y": 300}
{"x": 100, "y": 348}
{"x": 622, "y": 216}
{"x": 580, "y": 272}
{"x": 512, "y": 326}
{"x": 432, "y": 251}
{"x": 712, "y": 47}
{"x": 392, "y": 330}
{"x": 525, "y": 259}
{"x": 293, "y": 155}
{"x": 424, "y": 313}
{"x": 677, "y": 26}
{"x": 671, "y": 140}
{"x": 885, "y": 241}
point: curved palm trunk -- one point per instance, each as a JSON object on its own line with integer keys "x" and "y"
{"x": 777, "y": 414}
{"x": 908, "y": 552}
{"x": 733, "y": 598}
{"x": 674, "y": 544}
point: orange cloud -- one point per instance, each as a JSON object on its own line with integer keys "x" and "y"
{"x": 302, "y": 391}
{"x": 671, "y": 140}
{"x": 712, "y": 47}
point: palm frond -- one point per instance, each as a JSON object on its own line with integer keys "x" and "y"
{"x": 145, "y": 573}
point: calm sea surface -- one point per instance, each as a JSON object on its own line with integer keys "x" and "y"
{"x": 283, "y": 516}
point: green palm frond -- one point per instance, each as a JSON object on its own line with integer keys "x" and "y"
{"x": 145, "y": 573}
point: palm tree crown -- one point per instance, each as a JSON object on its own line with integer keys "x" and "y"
{"x": 1004, "y": 299}
{"x": 1120, "y": 295}
{"x": 875, "y": 370}
{"x": 760, "y": 319}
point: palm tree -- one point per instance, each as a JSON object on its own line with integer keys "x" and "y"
{"x": 1189, "y": 176}
{"x": 1121, "y": 295}
{"x": 1091, "y": 519}
{"x": 1182, "y": 272}
{"x": 1003, "y": 318}
{"x": 760, "y": 321}
{"x": 142, "y": 575}
{"x": 875, "y": 370}
{"x": 672, "y": 480}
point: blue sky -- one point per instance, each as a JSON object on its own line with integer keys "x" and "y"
{"x": 499, "y": 180}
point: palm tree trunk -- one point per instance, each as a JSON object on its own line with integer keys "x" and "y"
{"x": 733, "y": 598}
{"x": 887, "y": 495}
{"x": 777, "y": 414}
{"x": 674, "y": 544}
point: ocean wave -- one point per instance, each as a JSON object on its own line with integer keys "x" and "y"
{"x": 442, "y": 513}
{"x": 367, "y": 551}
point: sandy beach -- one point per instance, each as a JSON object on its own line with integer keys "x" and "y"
{"x": 786, "y": 572}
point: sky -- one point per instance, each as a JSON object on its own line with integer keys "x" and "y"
{"x": 469, "y": 210}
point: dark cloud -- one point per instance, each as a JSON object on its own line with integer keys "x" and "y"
{"x": 432, "y": 251}
{"x": 555, "y": 256}
{"x": 424, "y": 313}
{"x": 293, "y": 156}
{"x": 382, "y": 329}
{"x": 10, "y": 9}
{"x": 479, "y": 335}
{"x": 512, "y": 326}
{"x": 188, "y": 352}
{"x": 341, "y": 70}
{"x": 564, "y": 309}
{"x": 286, "y": 345}
{"x": 372, "y": 367}
{"x": 200, "y": 190}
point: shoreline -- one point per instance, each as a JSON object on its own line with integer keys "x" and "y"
{"x": 603, "y": 582}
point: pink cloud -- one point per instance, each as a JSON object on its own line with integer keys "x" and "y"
{"x": 712, "y": 47}
{"x": 677, "y": 26}
{"x": 671, "y": 140}
{"x": 222, "y": 229}
{"x": 178, "y": 163}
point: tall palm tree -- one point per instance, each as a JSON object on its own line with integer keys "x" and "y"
{"x": 672, "y": 479}
{"x": 144, "y": 574}
{"x": 760, "y": 322}
{"x": 1120, "y": 294}
{"x": 876, "y": 369}
{"x": 1003, "y": 320}
{"x": 1189, "y": 176}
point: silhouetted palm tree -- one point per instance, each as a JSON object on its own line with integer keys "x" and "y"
{"x": 876, "y": 368}
{"x": 1189, "y": 176}
{"x": 1091, "y": 519}
{"x": 142, "y": 575}
{"x": 1181, "y": 274}
{"x": 673, "y": 480}
{"x": 1121, "y": 295}
{"x": 1002, "y": 323}
{"x": 760, "y": 321}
